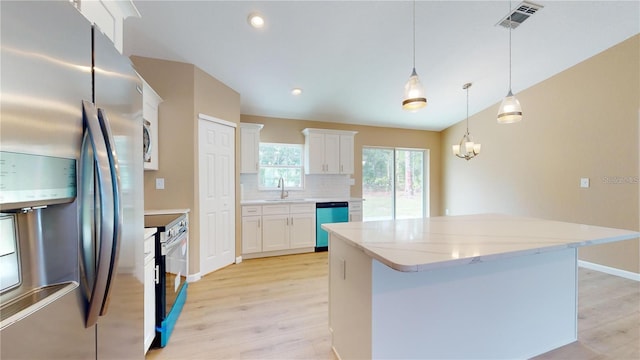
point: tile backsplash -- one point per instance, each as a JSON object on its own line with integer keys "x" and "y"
{"x": 316, "y": 186}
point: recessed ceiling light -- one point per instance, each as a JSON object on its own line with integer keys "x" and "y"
{"x": 296, "y": 91}
{"x": 256, "y": 20}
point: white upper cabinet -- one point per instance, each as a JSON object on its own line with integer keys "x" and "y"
{"x": 249, "y": 147}
{"x": 346, "y": 154}
{"x": 328, "y": 151}
{"x": 150, "y": 102}
{"x": 109, "y": 16}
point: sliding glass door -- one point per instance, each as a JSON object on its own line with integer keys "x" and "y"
{"x": 393, "y": 183}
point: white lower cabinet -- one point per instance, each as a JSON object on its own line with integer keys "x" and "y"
{"x": 355, "y": 210}
{"x": 279, "y": 229}
{"x": 275, "y": 232}
{"x": 149, "y": 291}
{"x": 302, "y": 230}
{"x": 251, "y": 234}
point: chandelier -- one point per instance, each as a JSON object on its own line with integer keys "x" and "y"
{"x": 466, "y": 149}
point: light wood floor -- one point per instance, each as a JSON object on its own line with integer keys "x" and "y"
{"x": 276, "y": 308}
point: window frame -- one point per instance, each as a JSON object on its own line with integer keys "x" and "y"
{"x": 301, "y": 167}
{"x": 426, "y": 179}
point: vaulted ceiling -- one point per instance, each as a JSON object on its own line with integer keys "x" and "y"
{"x": 352, "y": 58}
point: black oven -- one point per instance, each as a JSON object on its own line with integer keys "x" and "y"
{"x": 172, "y": 248}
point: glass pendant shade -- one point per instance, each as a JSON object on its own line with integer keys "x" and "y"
{"x": 510, "y": 110}
{"x": 414, "y": 95}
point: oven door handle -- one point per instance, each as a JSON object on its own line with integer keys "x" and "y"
{"x": 175, "y": 242}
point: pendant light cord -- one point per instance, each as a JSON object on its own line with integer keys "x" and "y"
{"x": 468, "y": 109}
{"x": 414, "y": 35}
{"x": 510, "y": 28}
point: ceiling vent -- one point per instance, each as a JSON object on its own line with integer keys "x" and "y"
{"x": 518, "y": 15}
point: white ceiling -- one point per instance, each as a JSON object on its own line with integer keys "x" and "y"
{"x": 352, "y": 58}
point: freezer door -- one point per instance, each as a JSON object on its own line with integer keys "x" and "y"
{"x": 118, "y": 99}
{"x": 45, "y": 73}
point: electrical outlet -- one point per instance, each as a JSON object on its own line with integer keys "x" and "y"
{"x": 584, "y": 182}
{"x": 159, "y": 183}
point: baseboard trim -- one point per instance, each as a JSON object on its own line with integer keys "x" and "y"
{"x": 278, "y": 253}
{"x": 609, "y": 270}
{"x": 238, "y": 259}
{"x": 194, "y": 277}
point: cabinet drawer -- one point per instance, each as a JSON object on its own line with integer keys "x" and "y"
{"x": 251, "y": 210}
{"x": 280, "y": 209}
{"x": 303, "y": 208}
{"x": 355, "y": 206}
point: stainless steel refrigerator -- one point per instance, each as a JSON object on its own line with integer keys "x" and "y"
{"x": 71, "y": 189}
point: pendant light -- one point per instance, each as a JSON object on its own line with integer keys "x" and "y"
{"x": 510, "y": 110}
{"x": 414, "y": 96}
{"x": 466, "y": 149}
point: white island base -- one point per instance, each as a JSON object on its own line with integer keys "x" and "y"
{"x": 506, "y": 309}
{"x": 512, "y": 304}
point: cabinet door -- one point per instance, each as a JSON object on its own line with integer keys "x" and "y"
{"x": 110, "y": 16}
{"x": 314, "y": 159}
{"x": 275, "y": 232}
{"x": 332, "y": 154}
{"x": 302, "y": 230}
{"x": 346, "y": 154}
{"x": 355, "y": 210}
{"x": 149, "y": 303}
{"x": 249, "y": 147}
{"x": 251, "y": 234}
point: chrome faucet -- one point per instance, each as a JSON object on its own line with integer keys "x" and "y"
{"x": 283, "y": 194}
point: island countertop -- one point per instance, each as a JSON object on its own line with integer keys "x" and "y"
{"x": 436, "y": 242}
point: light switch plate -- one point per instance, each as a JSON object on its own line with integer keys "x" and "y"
{"x": 159, "y": 183}
{"x": 584, "y": 182}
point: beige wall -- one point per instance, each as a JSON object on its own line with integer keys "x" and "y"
{"x": 582, "y": 122}
{"x": 289, "y": 131}
{"x": 186, "y": 91}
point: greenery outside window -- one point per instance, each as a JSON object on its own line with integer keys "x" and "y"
{"x": 281, "y": 160}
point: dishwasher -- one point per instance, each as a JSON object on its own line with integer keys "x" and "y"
{"x": 329, "y": 212}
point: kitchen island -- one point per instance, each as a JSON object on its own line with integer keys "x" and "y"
{"x": 473, "y": 287}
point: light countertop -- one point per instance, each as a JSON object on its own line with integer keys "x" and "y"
{"x": 149, "y": 232}
{"x": 166, "y": 211}
{"x": 294, "y": 201}
{"x": 425, "y": 244}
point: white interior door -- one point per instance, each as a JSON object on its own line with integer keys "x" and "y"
{"x": 217, "y": 194}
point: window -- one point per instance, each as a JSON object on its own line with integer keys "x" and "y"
{"x": 281, "y": 160}
{"x": 393, "y": 183}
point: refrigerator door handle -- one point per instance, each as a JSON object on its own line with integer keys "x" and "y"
{"x": 114, "y": 172}
{"x": 105, "y": 226}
